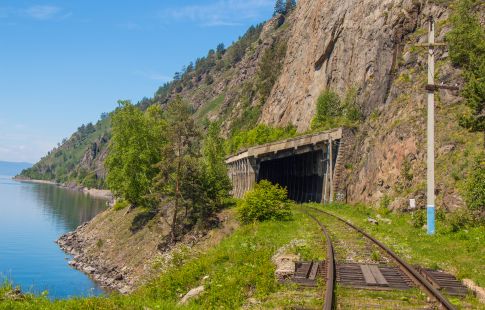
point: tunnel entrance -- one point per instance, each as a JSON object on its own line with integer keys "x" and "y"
{"x": 306, "y": 166}
{"x": 303, "y": 175}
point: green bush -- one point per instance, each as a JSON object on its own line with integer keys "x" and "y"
{"x": 333, "y": 112}
{"x": 475, "y": 187}
{"x": 459, "y": 219}
{"x": 467, "y": 49}
{"x": 121, "y": 204}
{"x": 265, "y": 202}
{"x": 328, "y": 107}
{"x": 418, "y": 218}
{"x": 259, "y": 135}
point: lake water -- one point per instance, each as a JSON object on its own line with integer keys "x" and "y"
{"x": 32, "y": 217}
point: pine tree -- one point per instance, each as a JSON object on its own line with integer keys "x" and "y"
{"x": 179, "y": 173}
{"x": 290, "y": 6}
{"x": 279, "y": 8}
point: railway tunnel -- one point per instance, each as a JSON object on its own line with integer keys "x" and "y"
{"x": 308, "y": 166}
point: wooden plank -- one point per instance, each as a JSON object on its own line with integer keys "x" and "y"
{"x": 378, "y": 275}
{"x": 368, "y": 277}
{"x": 314, "y": 271}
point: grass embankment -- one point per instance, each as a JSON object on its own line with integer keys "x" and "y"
{"x": 240, "y": 273}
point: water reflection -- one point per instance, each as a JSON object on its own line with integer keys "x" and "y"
{"x": 32, "y": 217}
{"x": 66, "y": 208}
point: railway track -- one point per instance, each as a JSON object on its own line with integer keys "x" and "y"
{"x": 331, "y": 274}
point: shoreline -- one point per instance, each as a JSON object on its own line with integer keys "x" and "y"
{"x": 93, "y": 192}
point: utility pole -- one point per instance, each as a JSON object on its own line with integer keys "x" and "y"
{"x": 430, "y": 134}
{"x": 431, "y": 88}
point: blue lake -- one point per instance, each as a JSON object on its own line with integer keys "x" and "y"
{"x": 32, "y": 217}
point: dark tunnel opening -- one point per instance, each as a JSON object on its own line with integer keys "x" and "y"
{"x": 303, "y": 175}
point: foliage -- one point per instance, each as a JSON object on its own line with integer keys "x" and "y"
{"x": 459, "y": 219}
{"x": 284, "y": 7}
{"x": 216, "y": 180}
{"x": 121, "y": 204}
{"x": 204, "y": 110}
{"x": 236, "y": 52}
{"x": 384, "y": 203}
{"x": 134, "y": 149}
{"x": 270, "y": 68}
{"x": 279, "y": 7}
{"x": 332, "y": 112}
{"x": 261, "y": 134}
{"x": 265, "y": 202}
{"x": 467, "y": 50}
{"x": 418, "y": 218}
{"x": 178, "y": 172}
{"x": 250, "y": 113}
{"x": 475, "y": 186}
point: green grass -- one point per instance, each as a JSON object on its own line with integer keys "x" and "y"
{"x": 239, "y": 268}
{"x": 207, "y": 108}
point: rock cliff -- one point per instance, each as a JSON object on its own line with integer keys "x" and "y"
{"x": 370, "y": 46}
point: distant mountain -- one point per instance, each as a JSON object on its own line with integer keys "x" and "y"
{"x": 11, "y": 168}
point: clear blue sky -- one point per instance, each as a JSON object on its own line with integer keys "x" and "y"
{"x": 63, "y": 63}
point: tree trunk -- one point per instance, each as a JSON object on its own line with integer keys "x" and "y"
{"x": 177, "y": 193}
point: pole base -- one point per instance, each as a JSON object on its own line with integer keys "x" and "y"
{"x": 431, "y": 219}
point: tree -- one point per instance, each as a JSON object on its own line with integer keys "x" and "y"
{"x": 270, "y": 68}
{"x": 216, "y": 180}
{"x": 177, "y": 179}
{"x": 467, "y": 49}
{"x": 136, "y": 141}
{"x": 279, "y": 8}
{"x": 220, "y": 49}
{"x": 290, "y": 6}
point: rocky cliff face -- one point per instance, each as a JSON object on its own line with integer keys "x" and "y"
{"x": 369, "y": 46}
{"x": 338, "y": 45}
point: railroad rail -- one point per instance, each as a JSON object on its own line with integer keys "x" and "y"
{"x": 414, "y": 275}
{"x": 330, "y": 261}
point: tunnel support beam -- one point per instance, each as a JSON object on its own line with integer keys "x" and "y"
{"x": 330, "y": 150}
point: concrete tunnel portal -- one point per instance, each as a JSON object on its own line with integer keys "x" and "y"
{"x": 307, "y": 166}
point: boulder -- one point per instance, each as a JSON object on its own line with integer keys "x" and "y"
{"x": 193, "y": 293}
{"x": 285, "y": 265}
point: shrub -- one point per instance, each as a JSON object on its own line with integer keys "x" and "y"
{"x": 467, "y": 46}
{"x": 121, "y": 204}
{"x": 418, "y": 218}
{"x": 258, "y": 135}
{"x": 475, "y": 187}
{"x": 459, "y": 219}
{"x": 270, "y": 68}
{"x": 333, "y": 112}
{"x": 328, "y": 107}
{"x": 265, "y": 202}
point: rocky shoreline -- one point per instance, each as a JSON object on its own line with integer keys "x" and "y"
{"x": 111, "y": 279}
{"x": 97, "y": 193}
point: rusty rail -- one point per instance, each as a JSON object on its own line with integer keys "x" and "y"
{"x": 330, "y": 261}
{"x": 405, "y": 267}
